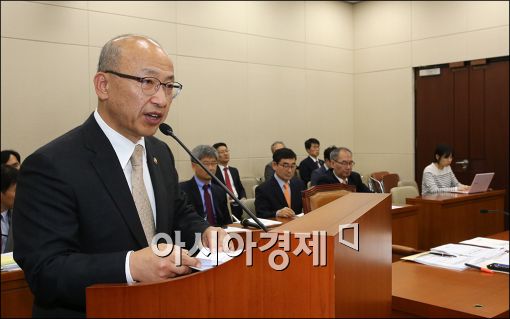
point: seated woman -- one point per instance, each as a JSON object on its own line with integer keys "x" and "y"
{"x": 438, "y": 177}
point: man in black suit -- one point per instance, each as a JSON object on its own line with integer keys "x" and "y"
{"x": 88, "y": 203}
{"x": 312, "y": 162}
{"x": 280, "y": 196}
{"x": 230, "y": 177}
{"x": 209, "y": 200}
{"x": 341, "y": 171}
{"x": 318, "y": 172}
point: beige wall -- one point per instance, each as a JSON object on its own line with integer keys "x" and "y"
{"x": 392, "y": 37}
{"x": 276, "y": 70}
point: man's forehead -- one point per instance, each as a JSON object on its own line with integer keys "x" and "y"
{"x": 288, "y": 160}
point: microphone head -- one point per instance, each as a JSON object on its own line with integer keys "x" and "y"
{"x": 166, "y": 129}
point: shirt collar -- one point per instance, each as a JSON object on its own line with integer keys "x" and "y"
{"x": 199, "y": 182}
{"x": 222, "y": 167}
{"x": 280, "y": 181}
{"x": 313, "y": 158}
{"x": 123, "y": 147}
{"x": 341, "y": 179}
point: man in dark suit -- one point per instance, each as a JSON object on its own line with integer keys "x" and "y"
{"x": 341, "y": 171}
{"x": 202, "y": 193}
{"x": 317, "y": 173}
{"x": 230, "y": 177}
{"x": 9, "y": 177}
{"x": 280, "y": 196}
{"x": 312, "y": 162}
{"x": 89, "y": 203}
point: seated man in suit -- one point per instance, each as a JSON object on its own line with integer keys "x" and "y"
{"x": 268, "y": 170}
{"x": 341, "y": 171}
{"x": 209, "y": 200}
{"x": 280, "y": 196}
{"x": 318, "y": 172}
{"x": 312, "y": 162}
{"x": 9, "y": 176}
{"x": 229, "y": 176}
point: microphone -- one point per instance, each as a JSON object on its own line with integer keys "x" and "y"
{"x": 167, "y": 130}
{"x": 246, "y": 223}
{"x": 487, "y": 211}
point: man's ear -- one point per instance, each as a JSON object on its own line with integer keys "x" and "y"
{"x": 101, "y": 86}
{"x": 274, "y": 165}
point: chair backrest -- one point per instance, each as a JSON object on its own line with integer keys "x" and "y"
{"x": 375, "y": 181}
{"x": 320, "y": 195}
{"x": 399, "y": 251}
{"x": 250, "y": 204}
{"x": 248, "y": 183}
{"x": 379, "y": 175}
{"x": 389, "y": 181}
{"x": 400, "y": 193}
{"x": 375, "y": 185}
{"x": 409, "y": 183}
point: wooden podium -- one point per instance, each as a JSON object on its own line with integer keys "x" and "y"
{"x": 352, "y": 283}
{"x": 450, "y": 218}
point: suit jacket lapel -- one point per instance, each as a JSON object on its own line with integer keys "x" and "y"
{"x": 113, "y": 179}
{"x": 197, "y": 198}
{"x": 158, "y": 185}
{"x": 279, "y": 193}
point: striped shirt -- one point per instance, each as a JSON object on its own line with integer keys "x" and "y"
{"x": 437, "y": 180}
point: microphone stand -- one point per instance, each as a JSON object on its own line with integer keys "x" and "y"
{"x": 167, "y": 130}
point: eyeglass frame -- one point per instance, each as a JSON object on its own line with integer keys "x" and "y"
{"x": 287, "y": 166}
{"x": 345, "y": 163}
{"x": 141, "y": 80}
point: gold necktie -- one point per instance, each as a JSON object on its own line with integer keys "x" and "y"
{"x": 142, "y": 203}
{"x": 286, "y": 193}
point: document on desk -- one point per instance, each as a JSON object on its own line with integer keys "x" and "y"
{"x": 8, "y": 263}
{"x": 210, "y": 260}
{"x": 449, "y": 262}
{"x": 266, "y": 222}
{"x": 477, "y": 252}
{"x": 487, "y": 242}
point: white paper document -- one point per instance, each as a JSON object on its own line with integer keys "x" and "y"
{"x": 487, "y": 242}
{"x": 266, "y": 222}
{"x": 8, "y": 263}
{"x": 426, "y": 258}
{"x": 468, "y": 251}
{"x": 209, "y": 260}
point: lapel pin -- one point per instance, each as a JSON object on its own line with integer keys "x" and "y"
{"x": 155, "y": 161}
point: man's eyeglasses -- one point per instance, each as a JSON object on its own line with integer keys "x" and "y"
{"x": 345, "y": 163}
{"x": 287, "y": 166}
{"x": 210, "y": 163}
{"x": 150, "y": 85}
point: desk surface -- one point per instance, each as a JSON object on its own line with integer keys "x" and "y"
{"x": 436, "y": 292}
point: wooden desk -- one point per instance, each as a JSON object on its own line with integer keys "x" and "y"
{"x": 404, "y": 225}
{"x": 17, "y": 298}
{"x": 436, "y": 292}
{"x": 450, "y": 218}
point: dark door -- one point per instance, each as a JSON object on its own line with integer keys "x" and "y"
{"x": 465, "y": 106}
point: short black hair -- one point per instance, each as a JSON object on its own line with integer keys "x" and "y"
{"x": 310, "y": 141}
{"x": 7, "y": 153}
{"x": 328, "y": 150}
{"x": 9, "y": 177}
{"x": 283, "y": 153}
{"x": 442, "y": 150}
{"x": 219, "y": 144}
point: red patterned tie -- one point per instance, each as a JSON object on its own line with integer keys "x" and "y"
{"x": 208, "y": 205}
{"x": 227, "y": 179}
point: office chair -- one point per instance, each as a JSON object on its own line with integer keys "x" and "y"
{"x": 320, "y": 195}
